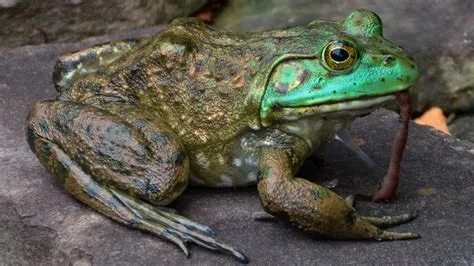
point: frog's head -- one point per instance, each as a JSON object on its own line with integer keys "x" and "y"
{"x": 351, "y": 71}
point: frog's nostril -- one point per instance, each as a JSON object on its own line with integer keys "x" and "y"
{"x": 388, "y": 60}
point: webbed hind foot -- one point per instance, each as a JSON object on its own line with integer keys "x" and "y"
{"x": 166, "y": 223}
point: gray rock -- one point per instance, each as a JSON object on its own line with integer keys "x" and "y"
{"x": 21, "y": 243}
{"x": 35, "y": 22}
{"x": 463, "y": 127}
{"x": 437, "y": 181}
{"x": 439, "y": 34}
{"x": 9, "y": 3}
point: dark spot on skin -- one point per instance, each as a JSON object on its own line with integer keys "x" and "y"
{"x": 115, "y": 82}
{"x": 175, "y": 159}
{"x": 90, "y": 87}
{"x": 140, "y": 152}
{"x": 315, "y": 194}
{"x": 382, "y": 79}
{"x": 350, "y": 217}
{"x": 80, "y": 158}
{"x": 304, "y": 76}
{"x": 115, "y": 205}
{"x": 153, "y": 188}
{"x": 354, "y": 84}
{"x": 263, "y": 173}
{"x": 162, "y": 138}
{"x": 199, "y": 66}
{"x": 412, "y": 66}
{"x": 44, "y": 126}
{"x": 281, "y": 88}
{"x": 46, "y": 147}
{"x": 66, "y": 164}
{"x": 110, "y": 149}
{"x": 64, "y": 121}
{"x": 89, "y": 131}
{"x": 142, "y": 186}
{"x": 136, "y": 77}
{"x": 197, "y": 91}
{"x": 220, "y": 64}
{"x": 140, "y": 124}
{"x": 276, "y": 107}
{"x": 317, "y": 87}
{"x": 171, "y": 94}
{"x": 92, "y": 189}
{"x": 388, "y": 60}
{"x": 334, "y": 92}
{"x": 237, "y": 54}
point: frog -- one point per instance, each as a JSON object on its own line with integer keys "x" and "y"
{"x": 137, "y": 121}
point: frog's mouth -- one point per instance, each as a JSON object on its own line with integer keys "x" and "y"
{"x": 356, "y": 107}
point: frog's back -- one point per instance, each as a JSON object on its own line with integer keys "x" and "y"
{"x": 195, "y": 78}
{"x": 203, "y": 83}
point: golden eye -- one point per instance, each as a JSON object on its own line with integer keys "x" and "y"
{"x": 339, "y": 55}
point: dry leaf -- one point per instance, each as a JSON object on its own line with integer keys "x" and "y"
{"x": 435, "y": 118}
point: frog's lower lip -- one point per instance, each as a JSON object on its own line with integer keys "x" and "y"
{"x": 360, "y": 104}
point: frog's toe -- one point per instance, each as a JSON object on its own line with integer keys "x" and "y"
{"x": 389, "y": 221}
{"x": 388, "y": 235}
{"x": 167, "y": 224}
{"x": 263, "y": 217}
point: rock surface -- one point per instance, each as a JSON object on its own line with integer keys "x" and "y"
{"x": 463, "y": 127}
{"x": 40, "y": 224}
{"x": 35, "y": 22}
{"x": 439, "y": 34}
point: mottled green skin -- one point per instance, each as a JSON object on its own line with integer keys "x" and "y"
{"x": 135, "y": 119}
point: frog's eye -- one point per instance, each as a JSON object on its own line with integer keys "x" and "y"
{"x": 339, "y": 55}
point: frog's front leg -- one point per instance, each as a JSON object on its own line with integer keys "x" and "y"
{"x": 121, "y": 161}
{"x": 314, "y": 208}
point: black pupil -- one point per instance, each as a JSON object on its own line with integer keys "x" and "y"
{"x": 339, "y": 55}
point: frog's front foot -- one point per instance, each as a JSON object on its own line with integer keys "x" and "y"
{"x": 317, "y": 209}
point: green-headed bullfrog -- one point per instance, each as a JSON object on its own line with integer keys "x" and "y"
{"x": 138, "y": 120}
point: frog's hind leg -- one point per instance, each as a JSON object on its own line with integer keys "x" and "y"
{"x": 116, "y": 161}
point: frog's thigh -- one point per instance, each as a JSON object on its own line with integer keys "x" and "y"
{"x": 129, "y": 151}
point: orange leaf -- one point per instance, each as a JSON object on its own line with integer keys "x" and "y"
{"x": 435, "y": 118}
